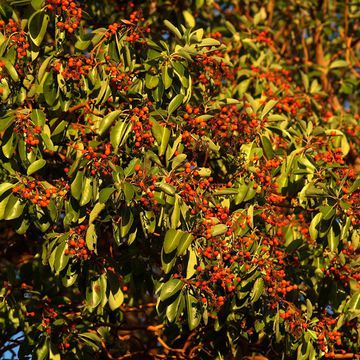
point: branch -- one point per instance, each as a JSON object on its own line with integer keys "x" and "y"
{"x": 346, "y": 356}
{"x": 270, "y": 9}
{"x": 323, "y": 64}
{"x": 79, "y": 106}
{"x": 9, "y": 347}
{"x": 167, "y": 347}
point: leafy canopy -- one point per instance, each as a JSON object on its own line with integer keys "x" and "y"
{"x": 179, "y": 179}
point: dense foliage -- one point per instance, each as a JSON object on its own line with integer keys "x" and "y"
{"x": 179, "y": 179}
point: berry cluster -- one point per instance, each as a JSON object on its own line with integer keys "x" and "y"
{"x": 76, "y": 243}
{"x": 119, "y": 80}
{"x": 25, "y": 127}
{"x": 98, "y": 160}
{"x": 147, "y": 186}
{"x": 331, "y": 157}
{"x": 36, "y": 193}
{"x": 18, "y": 40}
{"x": 228, "y": 126}
{"x": 134, "y": 27}
{"x": 191, "y": 192}
{"x": 289, "y": 104}
{"x": 328, "y": 337}
{"x": 275, "y": 77}
{"x": 69, "y": 13}
{"x": 210, "y": 72}
{"x": 264, "y": 38}
{"x": 343, "y": 272}
{"x": 75, "y": 68}
{"x": 141, "y": 126}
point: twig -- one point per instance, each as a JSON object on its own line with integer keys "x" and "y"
{"x": 79, "y": 106}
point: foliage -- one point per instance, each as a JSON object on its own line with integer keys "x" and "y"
{"x": 180, "y": 179}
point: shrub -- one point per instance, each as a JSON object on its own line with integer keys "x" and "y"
{"x": 179, "y": 180}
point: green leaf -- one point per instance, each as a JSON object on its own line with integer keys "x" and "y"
{"x": 36, "y": 166}
{"x": 167, "y": 261}
{"x": 193, "y": 315}
{"x": 355, "y": 185}
{"x": 3, "y": 204}
{"x": 338, "y": 64}
{"x": 130, "y": 169}
{"x": 172, "y": 240}
{"x": 243, "y": 87}
{"x": 77, "y": 185}
{"x": 313, "y": 226}
{"x": 91, "y": 237}
{"x": 333, "y": 238}
{"x": 8, "y": 143}
{"x": 172, "y": 311}
{"x": 70, "y": 277}
{"x": 116, "y": 296}
{"x": 164, "y": 141}
{"x": 162, "y": 136}
{"x": 257, "y": 290}
{"x": 354, "y": 302}
{"x": 43, "y": 350}
{"x": 91, "y": 339}
{"x": 175, "y": 215}
{"x": 86, "y": 194}
{"x": 93, "y": 293}
{"x": 167, "y": 188}
{"x": 38, "y": 117}
{"x": 116, "y": 299}
{"x": 327, "y": 211}
{"x": 108, "y": 120}
{"x": 250, "y": 193}
{"x": 105, "y": 194}
{"x": 191, "y": 265}
{"x": 148, "y": 221}
{"x": 345, "y": 146}
{"x": 166, "y": 78}
{"x": 209, "y": 42}
{"x": 268, "y": 107}
{"x": 6, "y": 122}
{"x": 5, "y": 186}
{"x": 14, "y": 208}
{"x": 355, "y": 239}
{"x": 95, "y": 212}
{"x": 177, "y": 161}
{"x": 173, "y": 29}
{"x": 151, "y": 81}
{"x": 129, "y": 192}
{"x": 37, "y": 4}
{"x": 255, "y": 104}
{"x": 189, "y": 19}
{"x": 10, "y": 69}
{"x": 38, "y": 24}
{"x": 54, "y": 353}
{"x": 309, "y": 309}
{"x": 175, "y": 103}
{"x": 268, "y": 149}
{"x": 185, "y": 241}
{"x": 119, "y": 133}
{"x": 61, "y": 259}
{"x": 204, "y": 172}
{"x": 199, "y": 3}
{"x": 170, "y": 288}
{"x": 127, "y": 220}
{"x": 219, "y": 229}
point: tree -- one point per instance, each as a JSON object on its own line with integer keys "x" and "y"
{"x": 180, "y": 180}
